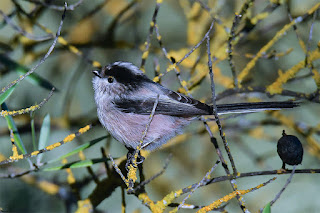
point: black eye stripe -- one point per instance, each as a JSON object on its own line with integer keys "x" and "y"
{"x": 123, "y": 75}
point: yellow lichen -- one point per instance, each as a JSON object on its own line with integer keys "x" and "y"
{"x": 259, "y": 17}
{"x": 156, "y": 79}
{"x": 14, "y": 158}
{"x": 132, "y": 174}
{"x": 257, "y": 133}
{"x": 74, "y": 49}
{"x": 171, "y": 67}
{"x": 71, "y": 179}
{"x": 84, "y": 129}
{"x": 14, "y": 150}
{"x": 96, "y": 64}
{"x": 34, "y": 153}
{"x": 146, "y": 200}
{"x": 162, "y": 204}
{"x": 2, "y": 157}
{"x": 145, "y": 55}
{"x": 69, "y": 138}
{"x": 84, "y": 206}
{"x": 316, "y": 77}
{"x": 224, "y": 199}
{"x": 48, "y": 187}
{"x": 5, "y": 113}
{"x": 81, "y": 155}
{"x": 53, "y": 146}
{"x": 62, "y": 41}
{"x": 263, "y": 50}
{"x": 183, "y": 83}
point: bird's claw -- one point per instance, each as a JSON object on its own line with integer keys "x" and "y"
{"x": 131, "y": 159}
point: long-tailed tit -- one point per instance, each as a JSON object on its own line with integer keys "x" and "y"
{"x": 125, "y": 98}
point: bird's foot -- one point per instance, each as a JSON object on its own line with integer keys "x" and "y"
{"x": 133, "y": 160}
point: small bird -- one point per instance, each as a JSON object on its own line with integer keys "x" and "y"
{"x": 290, "y": 150}
{"x": 125, "y": 97}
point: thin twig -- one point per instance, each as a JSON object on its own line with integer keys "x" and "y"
{"x": 41, "y": 61}
{"x": 56, "y": 7}
{"x": 199, "y": 184}
{"x": 309, "y": 41}
{"x": 148, "y": 42}
{"x": 222, "y": 134}
{"x": 48, "y": 148}
{"x": 149, "y": 123}
{"x": 284, "y": 187}
{"x": 29, "y": 109}
{"x": 132, "y": 170}
{"x": 257, "y": 89}
{"x": 103, "y": 153}
{"x": 282, "y": 190}
{"x": 143, "y": 183}
{"x": 232, "y": 36}
{"x": 23, "y": 32}
{"x": 253, "y": 174}
{"x": 115, "y": 166}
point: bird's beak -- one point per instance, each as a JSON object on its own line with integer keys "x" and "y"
{"x": 96, "y": 73}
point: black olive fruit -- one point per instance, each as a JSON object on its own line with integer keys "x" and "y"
{"x": 290, "y": 150}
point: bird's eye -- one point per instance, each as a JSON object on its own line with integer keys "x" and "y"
{"x": 110, "y": 79}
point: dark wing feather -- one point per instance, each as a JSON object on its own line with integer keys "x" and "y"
{"x": 169, "y": 103}
{"x": 166, "y": 106}
{"x": 199, "y": 107}
{"x": 176, "y": 104}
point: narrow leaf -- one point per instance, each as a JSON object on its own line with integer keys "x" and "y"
{"x": 12, "y": 126}
{"x": 267, "y": 209}
{"x": 44, "y": 135}
{"x": 33, "y": 78}
{"x": 79, "y": 148}
{"x": 77, "y": 164}
{"x": 6, "y": 94}
{"x": 33, "y": 131}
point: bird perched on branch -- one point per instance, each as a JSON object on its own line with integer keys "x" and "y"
{"x": 125, "y": 97}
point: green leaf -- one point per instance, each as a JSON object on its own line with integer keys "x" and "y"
{"x": 6, "y": 94}
{"x": 33, "y": 131}
{"x": 79, "y": 148}
{"x": 77, "y": 164}
{"x": 12, "y": 126}
{"x": 32, "y": 78}
{"x": 267, "y": 208}
{"x": 44, "y": 135}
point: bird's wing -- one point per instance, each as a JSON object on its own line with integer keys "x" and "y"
{"x": 169, "y": 103}
{"x": 176, "y": 104}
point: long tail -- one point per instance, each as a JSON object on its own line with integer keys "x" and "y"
{"x": 254, "y": 107}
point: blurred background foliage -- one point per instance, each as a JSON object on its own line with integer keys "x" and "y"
{"x": 115, "y": 30}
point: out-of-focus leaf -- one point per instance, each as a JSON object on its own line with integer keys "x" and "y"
{"x": 33, "y": 131}
{"x": 12, "y": 126}
{"x": 79, "y": 148}
{"x": 6, "y": 94}
{"x": 77, "y": 164}
{"x": 267, "y": 209}
{"x": 44, "y": 135}
{"x": 32, "y": 78}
